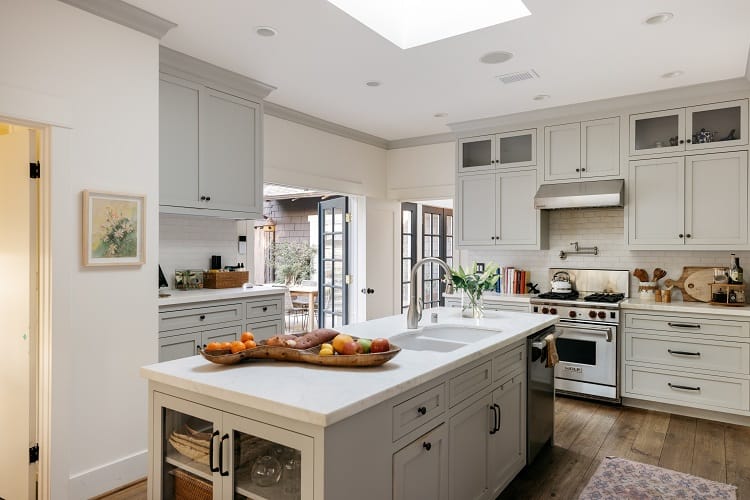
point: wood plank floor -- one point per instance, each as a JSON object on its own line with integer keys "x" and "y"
{"x": 586, "y": 432}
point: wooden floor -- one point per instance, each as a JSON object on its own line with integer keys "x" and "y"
{"x": 586, "y": 432}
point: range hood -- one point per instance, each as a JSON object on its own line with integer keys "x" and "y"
{"x": 580, "y": 195}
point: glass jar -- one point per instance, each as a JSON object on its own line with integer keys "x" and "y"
{"x": 646, "y": 290}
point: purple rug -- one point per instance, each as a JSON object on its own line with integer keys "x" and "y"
{"x": 624, "y": 479}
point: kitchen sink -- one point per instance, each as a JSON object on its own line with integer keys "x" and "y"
{"x": 457, "y": 333}
{"x": 440, "y": 338}
{"x": 420, "y": 343}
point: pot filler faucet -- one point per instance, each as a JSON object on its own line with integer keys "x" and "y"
{"x": 414, "y": 314}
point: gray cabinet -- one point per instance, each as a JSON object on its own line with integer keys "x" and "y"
{"x": 469, "y": 431}
{"x": 185, "y": 342}
{"x": 507, "y": 445}
{"x": 589, "y": 149}
{"x": 420, "y": 469}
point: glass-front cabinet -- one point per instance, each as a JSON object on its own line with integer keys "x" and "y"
{"x": 708, "y": 126}
{"x": 489, "y": 152}
{"x": 204, "y": 453}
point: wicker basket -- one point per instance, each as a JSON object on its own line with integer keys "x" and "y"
{"x": 190, "y": 487}
{"x": 225, "y": 279}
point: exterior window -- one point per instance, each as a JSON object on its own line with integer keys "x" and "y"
{"x": 408, "y": 248}
{"x": 437, "y": 241}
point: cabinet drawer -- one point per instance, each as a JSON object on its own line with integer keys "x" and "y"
{"x": 179, "y": 346}
{"x": 265, "y": 329}
{"x": 508, "y": 362}
{"x": 199, "y": 316}
{"x": 222, "y": 334}
{"x": 731, "y": 357}
{"x": 418, "y": 410}
{"x": 271, "y": 306}
{"x": 688, "y": 324}
{"x": 469, "y": 382}
{"x": 688, "y": 389}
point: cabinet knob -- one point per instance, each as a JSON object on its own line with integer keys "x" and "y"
{"x": 202, "y": 317}
{"x": 427, "y": 445}
{"x": 203, "y": 198}
{"x": 208, "y": 198}
{"x": 680, "y": 236}
{"x": 578, "y": 170}
{"x": 688, "y": 235}
{"x": 265, "y": 308}
{"x": 688, "y": 141}
{"x": 492, "y": 237}
{"x": 583, "y": 170}
{"x": 682, "y": 141}
{"x": 422, "y": 410}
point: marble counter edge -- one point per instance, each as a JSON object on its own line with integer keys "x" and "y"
{"x": 497, "y": 297}
{"x": 634, "y": 304}
{"x": 179, "y": 297}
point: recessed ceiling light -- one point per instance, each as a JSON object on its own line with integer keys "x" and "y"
{"x": 409, "y": 23}
{"x": 440, "y": 115}
{"x": 373, "y": 83}
{"x": 265, "y": 31}
{"x": 673, "y": 74}
{"x": 541, "y": 97}
{"x": 496, "y": 57}
{"x": 660, "y": 18}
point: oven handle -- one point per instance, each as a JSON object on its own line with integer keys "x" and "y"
{"x": 606, "y": 331}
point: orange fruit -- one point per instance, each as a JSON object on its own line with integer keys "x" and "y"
{"x": 339, "y": 341}
{"x": 226, "y": 345}
{"x": 213, "y": 346}
{"x": 237, "y": 346}
{"x": 247, "y": 336}
{"x": 249, "y": 344}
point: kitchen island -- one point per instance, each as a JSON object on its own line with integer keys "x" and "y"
{"x": 439, "y": 420}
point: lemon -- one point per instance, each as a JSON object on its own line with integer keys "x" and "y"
{"x": 326, "y": 352}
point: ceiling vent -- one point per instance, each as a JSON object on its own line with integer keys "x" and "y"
{"x": 518, "y": 76}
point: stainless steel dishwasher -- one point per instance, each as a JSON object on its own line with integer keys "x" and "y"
{"x": 540, "y": 398}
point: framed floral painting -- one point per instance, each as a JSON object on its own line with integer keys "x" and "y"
{"x": 114, "y": 229}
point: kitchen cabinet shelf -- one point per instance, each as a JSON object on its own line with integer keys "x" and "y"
{"x": 245, "y": 487}
{"x": 498, "y": 151}
{"x": 191, "y": 466}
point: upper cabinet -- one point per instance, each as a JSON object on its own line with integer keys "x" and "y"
{"x": 582, "y": 150}
{"x": 490, "y": 152}
{"x": 694, "y": 128}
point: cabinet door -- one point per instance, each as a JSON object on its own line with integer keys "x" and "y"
{"x": 651, "y": 133}
{"x": 476, "y": 210}
{"x": 562, "y": 152}
{"x": 656, "y": 207}
{"x": 507, "y": 446}
{"x": 600, "y": 148}
{"x": 179, "y": 346}
{"x": 468, "y": 434}
{"x": 726, "y": 122}
{"x": 185, "y": 445}
{"x": 266, "y": 328}
{"x": 230, "y": 167}
{"x": 223, "y": 334}
{"x": 516, "y": 217}
{"x": 716, "y": 199}
{"x": 178, "y": 142}
{"x": 420, "y": 470}
{"x": 476, "y": 154}
{"x": 289, "y": 469}
{"x": 516, "y": 149}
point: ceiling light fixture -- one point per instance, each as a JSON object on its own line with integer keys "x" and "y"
{"x": 673, "y": 74}
{"x": 660, "y": 18}
{"x": 373, "y": 83}
{"x": 541, "y": 97}
{"x": 496, "y": 57}
{"x": 265, "y": 31}
{"x": 410, "y": 23}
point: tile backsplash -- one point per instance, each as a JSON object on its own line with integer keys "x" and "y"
{"x": 604, "y": 228}
{"x": 188, "y": 242}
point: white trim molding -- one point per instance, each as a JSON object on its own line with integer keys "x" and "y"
{"x": 125, "y": 14}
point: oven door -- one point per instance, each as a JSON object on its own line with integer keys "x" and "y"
{"x": 588, "y": 353}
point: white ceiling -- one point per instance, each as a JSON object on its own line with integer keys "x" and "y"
{"x": 583, "y": 50}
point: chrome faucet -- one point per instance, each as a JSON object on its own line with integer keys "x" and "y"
{"x": 414, "y": 314}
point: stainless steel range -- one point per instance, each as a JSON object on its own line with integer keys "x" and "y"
{"x": 589, "y": 310}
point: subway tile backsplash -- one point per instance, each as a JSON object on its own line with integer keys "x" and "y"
{"x": 604, "y": 228}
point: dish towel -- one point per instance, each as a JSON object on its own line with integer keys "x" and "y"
{"x": 552, "y": 357}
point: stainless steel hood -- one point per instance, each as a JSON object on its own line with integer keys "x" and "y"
{"x": 580, "y": 195}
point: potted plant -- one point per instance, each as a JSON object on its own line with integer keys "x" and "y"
{"x": 291, "y": 261}
{"x": 473, "y": 284}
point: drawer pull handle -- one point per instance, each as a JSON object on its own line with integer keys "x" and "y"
{"x": 422, "y": 410}
{"x": 222, "y": 472}
{"x": 685, "y": 387}
{"x": 683, "y": 353}
{"x": 211, "y": 452}
{"x": 427, "y": 445}
{"x": 202, "y": 317}
{"x": 494, "y": 419}
{"x": 499, "y": 416}
{"x": 683, "y": 325}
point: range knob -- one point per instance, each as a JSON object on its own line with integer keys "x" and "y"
{"x": 602, "y": 315}
{"x": 592, "y": 314}
{"x": 545, "y": 310}
{"x": 572, "y": 314}
{"x": 552, "y": 310}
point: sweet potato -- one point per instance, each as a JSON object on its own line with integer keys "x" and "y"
{"x": 315, "y": 338}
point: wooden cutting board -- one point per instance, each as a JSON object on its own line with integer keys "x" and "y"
{"x": 694, "y": 283}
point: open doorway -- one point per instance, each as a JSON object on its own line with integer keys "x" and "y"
{"x": 19, "y": 198}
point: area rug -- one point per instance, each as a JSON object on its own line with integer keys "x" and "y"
{"x": 624, "y": 479}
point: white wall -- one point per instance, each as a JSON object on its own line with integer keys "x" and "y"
{"x": 422, "y": 172}
{"x": 104, "y": 321}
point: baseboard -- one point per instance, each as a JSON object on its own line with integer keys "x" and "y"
{"x": 687, "y": 411}
{"x": 107, "y": 477}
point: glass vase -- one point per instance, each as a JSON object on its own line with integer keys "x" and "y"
{"x": 472, "y": 304}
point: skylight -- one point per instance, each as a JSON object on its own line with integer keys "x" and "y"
{"x": 410, "y": 23}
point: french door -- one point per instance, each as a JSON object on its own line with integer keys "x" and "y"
{"x": 408, "y": 249}
{"x": 333, "y": 262}
{"x": 437, "y": 241}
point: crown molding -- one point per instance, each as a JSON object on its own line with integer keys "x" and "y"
{"x": 424, "y": 140}
{"x": 284, "y": 113}
{"x": 188, "y": 67}
{"x": 125, "y": 14}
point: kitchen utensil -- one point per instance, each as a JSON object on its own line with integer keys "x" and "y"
{"x": 561, "y": 282}
{"x": 694, "y": 283}
{"x": 659, "y": 273}
{"x": 266, "y": 471}
{"x": 641, "y": 274}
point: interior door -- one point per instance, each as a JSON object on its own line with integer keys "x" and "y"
{"x": 333, "y": 262}
{"x": 15, "y": 250}
{"x": 381, "y": 278}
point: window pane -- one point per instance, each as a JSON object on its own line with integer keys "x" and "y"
{"x": 405, "y": 294}
{"x": 406, "y": 250}
{"x": 427, "y": 250}
{"x": 406, "y": 221}
{"x": 338, "y": 220}
{"x": 338, "y": 299}
{"x": 328, "y": 220}
{"x": 338, "y": 272}
{"x": 426, "y": 294}
{"x": 449, "y": 225}
{"x": 436, "y": 290}
{"x": 405, "y": 270}
{"x": 448, "y": 247}
{"x": 338, "y": 246}
{"x": 436, "y": 246}
{"x": 328, "y": 276}
{"x": 436, "y": 224}
{"x": 328, "y": 246}
{"x": 427, "y": 223}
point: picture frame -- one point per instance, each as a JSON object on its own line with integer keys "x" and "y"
{"x": 114, "y": 229}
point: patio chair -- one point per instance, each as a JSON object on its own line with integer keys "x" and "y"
{"x": 293, "y": 314}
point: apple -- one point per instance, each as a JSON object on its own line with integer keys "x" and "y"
{"x": 380, "y": 345}
{"x": 365, "y": 345}
{"x": 351, "y": 347}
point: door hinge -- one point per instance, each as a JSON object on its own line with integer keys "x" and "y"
{"x": 348, "y": 217}
{"x": 34, "y": 454}
{"x": 348, "y": 279}
{"x": 35, "y": 170}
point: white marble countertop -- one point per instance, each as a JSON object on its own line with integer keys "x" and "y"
{"x": 498, "y": 297}
{"x": 209, "y": 294}
{"x": 684, "y": 307}
{"x": 325, "y": 395}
